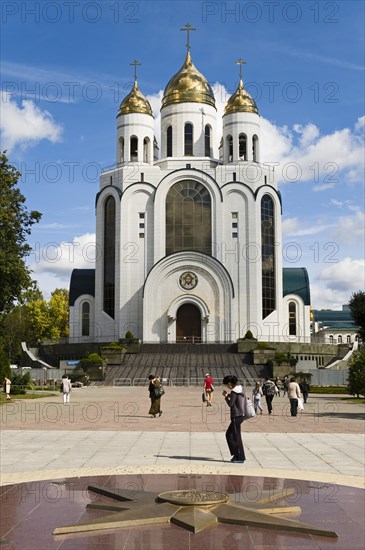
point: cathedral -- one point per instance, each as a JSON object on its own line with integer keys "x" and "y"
{"x": 188, "y": 239}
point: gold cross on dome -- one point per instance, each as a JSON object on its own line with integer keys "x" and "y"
{"x": 188, "y": 28}
{"x": 135, "y": 63}
{"x": 240, "y": 62}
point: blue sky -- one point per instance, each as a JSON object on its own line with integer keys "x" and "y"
{"x": 66, "y": 68}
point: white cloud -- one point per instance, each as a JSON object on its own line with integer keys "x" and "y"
{"x": 323, "y": 159}
{"x": 346, "y": 275}
{"x": 360, "y": 124}
{"x": 308, "y": 134}
{"x": 26, "y": 125}
{"x": 294, "y": 228}
{"x": 60, "y": 259}
{"x": 327, "y": 298}
{"x": 351, "y": 229}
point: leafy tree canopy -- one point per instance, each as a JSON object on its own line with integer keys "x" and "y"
{"x": 356, "y": 379}
{"x": 15, "y": 225}
{"x": 357, "y": 308}
{"x": 33, "y": 320}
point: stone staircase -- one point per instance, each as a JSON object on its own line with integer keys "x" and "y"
{"x": 184, "y": 364}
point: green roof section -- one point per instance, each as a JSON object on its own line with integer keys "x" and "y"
{"x": 82, "y": 282}
{"x": 296, "y": 281}
{"x": 336, "y": 320}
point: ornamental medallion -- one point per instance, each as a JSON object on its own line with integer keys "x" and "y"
{"x": 188, "y": 280}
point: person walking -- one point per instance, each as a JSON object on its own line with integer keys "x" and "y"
{"x": 285, "y": 385}
{"x": 293, "y": 394}
{"x": 7, "y": 387}
{"x": 235, "y": 401}
{"x": 155, "y": 389}
{"x": 278, "y": 386}
{"x": 66, "y": 389}
{"x": 208, "y": 389}
{"x": 268, "y": 389}
{"x": 256, "y": 397}
{"x": 304, "y": 388}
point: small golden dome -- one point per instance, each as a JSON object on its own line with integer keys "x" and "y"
{"x": 240, "y": 102}
{"x": 188, "y": 86}
{"x": 135, "y": 102}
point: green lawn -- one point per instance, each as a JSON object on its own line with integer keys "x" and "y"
{"x": 16, "y": 397}
{"x": 329, "y": 389}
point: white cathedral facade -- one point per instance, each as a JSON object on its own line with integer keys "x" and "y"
{"x": 189, "y": 245}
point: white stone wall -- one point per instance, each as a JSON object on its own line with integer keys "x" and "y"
{"x": 137, "y": 125}
{"x": 177, "y": 115}
{"x": 235, "y": 124}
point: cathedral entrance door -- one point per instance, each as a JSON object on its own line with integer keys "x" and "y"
{"x": 188, "y": 324}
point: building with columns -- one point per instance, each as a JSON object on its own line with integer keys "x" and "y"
{"x": 189, "y": 238}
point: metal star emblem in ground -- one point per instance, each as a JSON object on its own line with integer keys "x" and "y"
{"x": 192, "y": 510}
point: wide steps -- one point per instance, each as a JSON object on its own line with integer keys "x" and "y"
{"x": 182, "y": 368}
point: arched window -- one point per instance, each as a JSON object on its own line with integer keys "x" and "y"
{"x": 188, "y": 218}
{"x": 109, "y": 256}
{"x": 134, "y": 149}
{"x": 188, "y": 140}
{"x": 121, "y": 149}
{"x": 207, "y": 151}
{"x": 169, "y": 141}
{"x": 242, "y": 146}
{"x": 229, "y": 141}
{"x": 339, "y": 339}
{"x": 146, "y": 149}
{"x": 331, "y": 339}
{"x": 85, "y": 319}
{"x": 348, "y": 339}
{"x": 292, "y": 319}
{"x": 268, "y": 256}
{"x": 255, "y": 148}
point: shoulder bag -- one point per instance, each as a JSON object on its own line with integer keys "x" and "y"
{"x": 248, "y": 408}
{"x": 159, "y": 391}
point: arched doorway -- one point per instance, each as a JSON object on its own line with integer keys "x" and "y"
{"x": 188, "y": 324}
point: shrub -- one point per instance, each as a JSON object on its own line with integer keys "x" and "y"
{"x": 249, "y": 336}
{"x": 129, "y": 335}
{"x": 20, "y": 382}
{"x": 113, "y": 345}
{"x": 89, "y": 360}
{"x": 262, "y": 345}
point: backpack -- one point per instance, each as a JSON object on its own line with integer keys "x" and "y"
{"x": 268, "y": 388}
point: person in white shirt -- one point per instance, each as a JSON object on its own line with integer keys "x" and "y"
{"x": 293, "y": 394}
{"x": 66, "y": 389}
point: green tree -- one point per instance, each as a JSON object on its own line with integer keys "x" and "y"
{"x": 58, "y": 312}
{"x": 357, "y": 308}
{"x": 356, "y": 379}
{"x": 5, "y": 369}
{"x": 33, "y": 320}
{"x": 17, "y": 327}
{"x": 50, "y": 319}
{"x": 15, "y": 225}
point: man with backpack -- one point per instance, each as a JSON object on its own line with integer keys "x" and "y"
{"x": 268, "y": 389}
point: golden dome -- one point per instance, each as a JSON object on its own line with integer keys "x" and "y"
{"x": 188, "y": 86}
{"x": 135, "y": 102}
{"x": 240, "y": 102}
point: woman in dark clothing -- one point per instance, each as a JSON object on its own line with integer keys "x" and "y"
{"x": 155, "y": 400}
{"x": 235, "y": 401}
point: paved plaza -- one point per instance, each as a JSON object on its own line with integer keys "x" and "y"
{"x": 107, "y": 431}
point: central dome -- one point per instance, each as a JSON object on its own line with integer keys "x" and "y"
{"x": 188, "y": 86}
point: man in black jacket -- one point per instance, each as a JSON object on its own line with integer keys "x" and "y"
{"x": 235, "y": 401}
{"x": 268, "y": 389}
